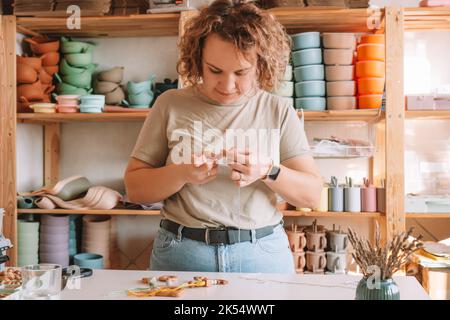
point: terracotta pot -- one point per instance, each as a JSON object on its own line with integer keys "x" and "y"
{"x": 41, "y": 45}
{"x": 370, "y": 101}
{"x": 26, "y": 73}
{"x": 34, "y": 62}
{"x": 370, "y": 69}
{"x": 50, "y": 59}
{"x": 30, "y": 91}
{"x": 371, "y": 51}
{"x": 47, "y": 88}
{"x": 115, "y": 97}
{"x": 113, "y": 75}
{"x": 370, "y": 86}
{"x": 51, "y": 70}
{"x": 104, "y": 87}
{"x": 45, "y": 77}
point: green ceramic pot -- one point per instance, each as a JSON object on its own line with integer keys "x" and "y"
{"x": 65, "y": 88}
{"x": 82, "y": 80}
{"x": 79, "y": 59}
{"x": 68, "y": 46}
{"x": 388, "y": 290}
{"x": 66, "y": 69}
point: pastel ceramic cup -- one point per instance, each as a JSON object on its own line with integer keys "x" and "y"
{"x": 138, "y": 87}
{"x": 310, "y": 89}
{"x": 369, "y": 199}
{"x": 340, "y": 73}
{"x": 370, "y": 86}
{"x": 311, "y": 103}
{"x": 299, "y": 261}
{"x": 323, "y": 206}
{"x": 370, "y": 69}
{"x": 310, "y": 72}
{"x": 141, "y": 99}
{"x": 336, "y": 199}
{"x": 341, "y": 88}
{"x": 338, "y": 56}
{"x": 337, "y": 262}
{"x": 370, "y": 101}
{"x": 316, "y": 261}
{"x": 341, "y": 103}
{"x": 315, "y": 241}
{"x": 338, "y": 241}
{"x": 371, "y": 51}
{"x": 89, "y": 260}
{"x": 335, "y": 40}
{"x": 307, "y": 57}
{"x": 352, "y": 199}
{"x": 306, "y": 40}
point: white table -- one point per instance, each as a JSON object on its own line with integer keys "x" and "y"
{"x": 111, "y": 284}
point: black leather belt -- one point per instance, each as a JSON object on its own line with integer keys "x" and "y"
{"x": 216, "y": 235}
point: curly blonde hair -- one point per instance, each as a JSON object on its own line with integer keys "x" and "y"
{"x": 244, "y": 25}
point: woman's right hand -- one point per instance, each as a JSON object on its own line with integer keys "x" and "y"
{"x": 201, "y": 170}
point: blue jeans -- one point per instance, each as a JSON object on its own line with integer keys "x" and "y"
{"x": 270, "y": 254}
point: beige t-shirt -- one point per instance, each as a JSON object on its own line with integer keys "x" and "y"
{"x": 185, "y": 120}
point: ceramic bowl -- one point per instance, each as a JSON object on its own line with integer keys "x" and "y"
{"x": 67, "y": 99}
{"x": 67, "y": 89}
{"x": 306, "y": 40}
{"x": 79, "y": 59}
{"x": 67, "y": 109}
{"x": 104, "y": 87}
{"x": 41, "y": 45}
{"x": 341, "y": 88}
{"x": 54, "y": 229}
{"x": 310, "y": 89}
{"x": 55, "y": 220}
{"x": 139, "y": 87}
{"x": 115, "y": 97}
{"x": 24, "y": 226}
{"x": 288, "y": 73}
{"x": 339, "y": 73}
{"x": 75, "y": 47}
{"x": 51, "y": 70}
{"x": 285, "y": 89}
{"x": 372, "y": 38}
{"x": 371, "y": 51}
{"x": 371, "y": 101}
{"x": 370, "y": 69}
{"x": 82, "y": 80}
{"x": 93, "y": 98}
{"x": 50, "y": 59}
{"x": 26, "y": 73}
{"x": 309, "y": 73}
{"x": 341, "y": 103}
{"x": 89, "y": 260}
{"x": 141, "y": 99}
{"x": 370, "y": 86}
{"x": 34, "y": 62}
{"x": 339, "y": 40}
{"x": 67, "y": 69}
{"x": 43, "y": 107}
{"x": 31, "y": 91}
{"x": 307, "y": 57}
{"x": 338, "y": 56}
{"x": 113, "y": 75}
{"x": 90, "y": 109}
{"x": 312, "y": 103}
{"x": 45, "y": 77}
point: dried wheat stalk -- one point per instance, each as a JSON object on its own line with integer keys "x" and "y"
{"x": 389, "y": 258}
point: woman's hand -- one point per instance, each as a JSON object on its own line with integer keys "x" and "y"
{"x": 201, "y": 170}
{"x": 247, "y": 167}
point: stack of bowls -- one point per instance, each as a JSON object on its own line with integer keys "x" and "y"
{"x": 308, "y": 71}
{"x": 54, "y": 241}
{"x": 108, "y": 84}
{"x": 140, "y": 94}
{"x": 339, "y": 57}
{"x": 286, "y": 86}
{"x": 27, "y": 242}
{"x": 92, "y": 103}
{"x": 67, "y": 103}
{"x": 96, "y": 237}
{"x": 76, "y": 68}
{"x": 43, "y": 107}
{"x": 370, "y": 71}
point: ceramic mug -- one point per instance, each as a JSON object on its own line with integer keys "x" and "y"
{"x": 299, "y": 261}
{"x": 297, "y": 240}
{"x": 316, "y": 241}
{"x": 336, "y": 199}
{"x": 315, "y": 261}
{"x": 337, "y": 241}
{"x": 336, "y": 262}
{"x": 369, "y": 199}
{"x": 323, "y": 206}
{"x": 352, "y": 199}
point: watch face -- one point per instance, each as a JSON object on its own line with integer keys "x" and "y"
{"x": 274, "y": 172}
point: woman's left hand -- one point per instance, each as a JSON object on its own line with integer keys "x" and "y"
{"x": 247, "y": 167}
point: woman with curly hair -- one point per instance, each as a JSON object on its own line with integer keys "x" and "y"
{"x": 220, "y": 150}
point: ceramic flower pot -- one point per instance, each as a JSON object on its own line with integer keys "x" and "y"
{"x": 45, "y": 77}
{"x": 50, "y": 59}
{"x": 31, "y": 91}
{"x": 79, "y": 59}
{"x": 81, "y": 80}
{"x": 65, "y": 88}
{"x": 104, "y": 87}
{"x": 140, "y": 99}
{"x": 41, "y": 45}
{"x": 115, "y": 97}
{"x": 113, "y": 75}
{"x": 26, "y": 73}
{"x": 341, "y": 88}
{"x": 51, "y": 70}
{"x": 68, "y": 46}
{"x": 34, "y": 62}
{"x": 139, "y": 87}
{"x": 371, "y": 51}
{"x": 383, "y": 290}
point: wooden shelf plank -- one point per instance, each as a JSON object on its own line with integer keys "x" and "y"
{"x": 286, "y": 213}
{"x": 421, "y": 215}
{"x": 330, "y": 115}
{"x": 166, "y": 24}
{"x": 427, "y": 19}
{"x": 161, "y": 24}
{"x": 428, "y": 114}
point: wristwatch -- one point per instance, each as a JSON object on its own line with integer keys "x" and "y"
{"x": 273, "y": 173}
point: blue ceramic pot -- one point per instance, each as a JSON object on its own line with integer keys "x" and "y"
{"x": 310, "y": 89}
{"x": 307, "y": 57}
{"x": 312, "y": 103}
{"x": 306, "y": 40}
{"x": 388, "y": 290}
{"x": 89, "y": 260}
{"x": 309, "y": 73}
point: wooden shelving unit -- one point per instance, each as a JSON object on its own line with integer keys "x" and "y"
{"x": 427, "y": 19}
{"x": 419, "y": 215}
{"x": 353, "y": 115}
{"x": 428, "y": 114}
{"x": 386, "y": 162}
{"x": 123, "y": 212}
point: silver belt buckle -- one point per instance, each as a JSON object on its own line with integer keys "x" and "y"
{"x": 207, "y": 236}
